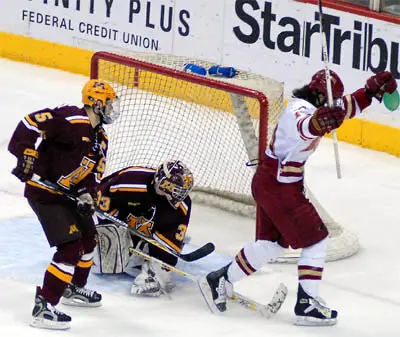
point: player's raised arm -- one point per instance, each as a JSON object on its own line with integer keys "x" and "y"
{"x": 375, "y": 86}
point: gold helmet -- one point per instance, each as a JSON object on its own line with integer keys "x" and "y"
{"x": 100, "y": 96}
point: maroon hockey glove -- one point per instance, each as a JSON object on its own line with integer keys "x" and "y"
{"x": 326, "y": 119}
{"x": 85, "y": 204}
{"x": 380, "y": 83}
{"x": 24, "y": 169}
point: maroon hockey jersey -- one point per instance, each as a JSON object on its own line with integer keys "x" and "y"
{"x": 129, "y": 194}
{"x": 71, "y": 152}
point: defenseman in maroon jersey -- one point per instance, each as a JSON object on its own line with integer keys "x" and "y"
{"x": 71, "y": 153}
{"x": 286, "y": 217}
{"x": 156, "y": 203}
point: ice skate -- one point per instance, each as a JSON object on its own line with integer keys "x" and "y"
{"x": 80, "y": 297}
{"x": 46, "y": 316}
{"x": 218, "y": 283}
{"x": 313, "y": 311}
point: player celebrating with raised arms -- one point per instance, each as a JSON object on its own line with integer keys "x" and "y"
{"x": 71, "y": 154}
{"x": 154, "y": 202}
{"x": 285, "y": 215}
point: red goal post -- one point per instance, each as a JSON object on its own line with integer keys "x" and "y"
{"x": 214, "y": 125}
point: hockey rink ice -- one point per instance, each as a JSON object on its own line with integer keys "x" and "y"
{"x": 365, "y": 289}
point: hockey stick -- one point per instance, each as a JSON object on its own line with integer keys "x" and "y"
{"x": 197, "y": 254}
{"x": 329, "y": 87}
{"x": 266, "y": 310}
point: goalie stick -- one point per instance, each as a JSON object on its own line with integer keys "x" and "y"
{"x": 197, "y": 254}
{"x": 266, "y": 310}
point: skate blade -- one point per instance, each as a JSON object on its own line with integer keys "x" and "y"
{"x": 41, "y": 323}
{"x": 312, "y": 321}
{"x": 206, "y": 293}
{"x": 75, "y": 302}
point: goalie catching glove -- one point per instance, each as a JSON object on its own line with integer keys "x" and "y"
{"x": 326, "y": 119}
{"x": 25, "y": 165}
{"x": 380, "y": 83}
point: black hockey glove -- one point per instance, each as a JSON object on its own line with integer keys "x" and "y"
{"x": 24, "y": 169}
{"x": 85, "y": 204}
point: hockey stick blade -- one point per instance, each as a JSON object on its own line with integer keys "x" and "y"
{"x": 199, "y": 253}
{"x": 265, "y": 310}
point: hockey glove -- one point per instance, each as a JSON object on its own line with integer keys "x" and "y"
{"x": 85, "y": 204}
{"x": 380, "y": 83}
{"x": 326, "y": 119}
{"x": 25, "y": 164}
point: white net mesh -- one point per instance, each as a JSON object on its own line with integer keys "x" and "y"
{"x": 211, "y": 126}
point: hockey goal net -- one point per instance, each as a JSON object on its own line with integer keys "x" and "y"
{"x": 214, "y": 125}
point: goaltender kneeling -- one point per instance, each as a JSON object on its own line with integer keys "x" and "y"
{"x": 156, "y": 203}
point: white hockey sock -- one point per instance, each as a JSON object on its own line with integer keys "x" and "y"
{"x": 311, "y": 266}
{"x": 252, "y": 257}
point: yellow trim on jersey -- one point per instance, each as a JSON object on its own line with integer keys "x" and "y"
{"x": 168, "y": 242}
{"x": 67, "y": 278}
{"x": 104, "y": 133}
{"x": 31, "y": 122}
{"x": 85, "y": 264}
{"x": 183, "y": 208}
{"x": 35, "y": 184}
{"x": 127, "y": 189}
{"x": 79, "y": 121}
{"x": 138, "y": 168}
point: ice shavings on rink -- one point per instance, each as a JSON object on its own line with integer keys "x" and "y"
{"x": 365, "y": 288}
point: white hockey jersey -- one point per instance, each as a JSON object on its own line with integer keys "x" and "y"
{"x": 292, "y": 143}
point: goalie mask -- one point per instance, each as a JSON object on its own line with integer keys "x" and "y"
{"x": 174, "y": 181}
{"x": 318, "y": 85}
{"x": 101, "y": 97}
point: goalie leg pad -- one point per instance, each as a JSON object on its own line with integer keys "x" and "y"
{"x": 112, "y": 253}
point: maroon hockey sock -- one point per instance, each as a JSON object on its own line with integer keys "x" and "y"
{"x": 53, "y": 288}
{"x": 82, "y": 269}
{"x": 81, "y": 275}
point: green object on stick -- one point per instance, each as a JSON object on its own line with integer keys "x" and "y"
{"x": 391, "y": 101}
